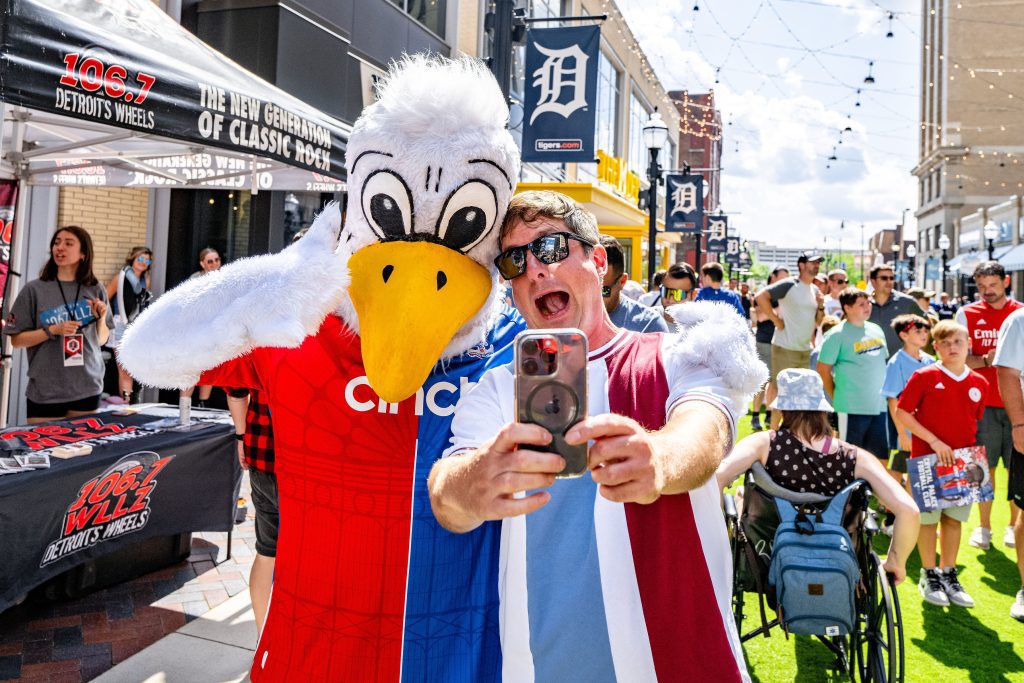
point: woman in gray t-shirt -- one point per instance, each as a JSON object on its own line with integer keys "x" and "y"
{"x": 61, "y": 320}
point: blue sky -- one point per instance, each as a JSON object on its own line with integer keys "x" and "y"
{"x": 787, "y": 75}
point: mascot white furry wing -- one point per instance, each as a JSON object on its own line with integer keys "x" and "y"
{"x": 343, "y": 332}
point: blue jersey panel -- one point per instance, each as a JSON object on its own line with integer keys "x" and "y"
{"x": 451, "y": 624}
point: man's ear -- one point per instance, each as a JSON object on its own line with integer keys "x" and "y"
{"x": 600, "y": 257}
{"x": 623, "y": 279}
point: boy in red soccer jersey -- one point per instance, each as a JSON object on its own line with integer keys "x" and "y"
{"x": 941, "y": 406}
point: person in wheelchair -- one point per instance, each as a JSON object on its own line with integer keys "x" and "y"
{"x": 803, "y": 456}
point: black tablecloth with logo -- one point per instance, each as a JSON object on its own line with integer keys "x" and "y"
{"x": 141, "y": 480}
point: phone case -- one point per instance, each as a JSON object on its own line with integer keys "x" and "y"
{"x": 551, "y": 389}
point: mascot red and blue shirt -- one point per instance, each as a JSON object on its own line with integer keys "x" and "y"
{"x": 362, "y": 337}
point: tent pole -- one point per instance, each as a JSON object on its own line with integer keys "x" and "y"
{"x": 14, "y": 263}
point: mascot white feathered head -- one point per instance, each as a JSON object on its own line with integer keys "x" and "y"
{"x": 431, "y": 170}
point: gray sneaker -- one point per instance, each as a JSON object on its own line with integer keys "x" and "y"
{"x": 1017, "y": 608}
{"x": 954, "y": 591}
{"x": 931, "y": 588}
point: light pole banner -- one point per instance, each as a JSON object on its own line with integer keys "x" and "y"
{"x": 684, "y": 203}
{"x": 718, "y": 229}
{"x": 732, "y": 251}
{"x": 932, "y": 268}
{"x": 560, "y": 99}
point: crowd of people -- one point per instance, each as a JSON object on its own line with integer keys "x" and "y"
{"x": 852, "y": 392}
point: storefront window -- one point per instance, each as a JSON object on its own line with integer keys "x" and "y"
{"x": 638, "y": 115}
{"x": 220, "y": 219}
{"x": 607, "y": 105}
{"x": 300, "y": 209}
{"x": 430, "y": 13}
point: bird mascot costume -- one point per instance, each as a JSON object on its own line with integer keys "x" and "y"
{"x": 361, "y": 337}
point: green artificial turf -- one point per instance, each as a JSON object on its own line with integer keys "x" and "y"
{"x": 943, "y": 645}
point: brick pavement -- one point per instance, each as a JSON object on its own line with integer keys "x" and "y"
{"x": 56, "y": 642}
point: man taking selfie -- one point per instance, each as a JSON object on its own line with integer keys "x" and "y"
{"x": 623, "y": 572}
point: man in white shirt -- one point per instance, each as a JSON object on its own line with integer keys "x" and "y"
{"x": 801, "y": 307}
{"x": 1009, "y": 364}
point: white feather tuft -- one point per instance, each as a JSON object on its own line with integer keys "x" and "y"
{"x": 712, "y": 335}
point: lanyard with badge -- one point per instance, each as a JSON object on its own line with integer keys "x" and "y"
{"x": 74, "y": 344}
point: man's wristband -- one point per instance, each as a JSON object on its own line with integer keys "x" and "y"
{"x": 239, "y": 437}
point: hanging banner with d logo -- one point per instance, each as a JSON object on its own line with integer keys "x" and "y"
{"x": 732, "y": 251}
{"x": 560, "y": 106}
{"x": 718, "y": 229}
{"x": 684, "y": 203}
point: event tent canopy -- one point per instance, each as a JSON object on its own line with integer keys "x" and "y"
{"x": 119, "y": 94}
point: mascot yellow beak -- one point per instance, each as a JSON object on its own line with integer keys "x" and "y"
{"x": 411, "y": 299}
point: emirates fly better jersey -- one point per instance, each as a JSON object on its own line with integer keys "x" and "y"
{"x": 593, "y": 590}
{"x": 983, "y": 323}
{"x": 367, "y": 586}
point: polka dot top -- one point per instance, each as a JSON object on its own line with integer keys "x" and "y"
{"x": 796, "y": 467}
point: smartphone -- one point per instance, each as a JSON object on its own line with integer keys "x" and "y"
{"x": 551, "y": 389}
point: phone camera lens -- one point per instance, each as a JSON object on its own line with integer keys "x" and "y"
{"x": 530, "y": 347}
{"x": 530, "y": 366}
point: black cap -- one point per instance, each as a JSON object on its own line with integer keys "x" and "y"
{"x": 809, "y": 256}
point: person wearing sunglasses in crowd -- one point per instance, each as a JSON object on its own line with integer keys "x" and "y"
{"x": 622, "y": 310}
{"x": 661, "y": 417}
{"x": 677, "y": 287}
{"x": 888, "y": 303}
{"x": 209, "y": 261}
{"x": 837, "y": 282}
{"x": 129, "y": 294}
{"x": 61, "y": 320}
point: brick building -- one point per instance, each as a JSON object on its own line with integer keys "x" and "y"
{"x": 700, "y": 147}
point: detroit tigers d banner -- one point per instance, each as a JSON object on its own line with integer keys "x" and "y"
{"x": 684, "y": 203}
{"x": 718, "y": 232}
{"x": 560, "y": 106}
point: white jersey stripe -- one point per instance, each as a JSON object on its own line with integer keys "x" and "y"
{"x": 514, "y": 620}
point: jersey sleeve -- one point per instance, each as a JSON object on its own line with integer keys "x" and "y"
{"x": 961, "y": 317}
{"x": 482, "y": 411}
{"x": 656, "y": 324}
{"x": 985, "y": 387}
{"x": 892, "y": 387}
{"x": 1010, "y": 346}
{"x": 830, "y": 347}
{"x": 23, "y": 313}
{"x": 780, "y": 289}
{"x": 238, "y": 373}
{"x": 910, "y": 398}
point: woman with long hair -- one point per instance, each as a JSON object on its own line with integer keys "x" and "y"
{"x": 209, "y": 261}
{"x": 804, "y": 456}
{"x": 61, "y": 320}
{"x": 128, "y": 293}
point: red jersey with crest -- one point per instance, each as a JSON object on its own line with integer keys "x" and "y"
{"x": 983, "y": 323}
{"x": 949, "y": 406}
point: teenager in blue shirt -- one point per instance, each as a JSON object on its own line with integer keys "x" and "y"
{"x": 711, "y": 276}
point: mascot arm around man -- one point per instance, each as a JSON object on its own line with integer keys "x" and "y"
{"x": 362, "y": 337}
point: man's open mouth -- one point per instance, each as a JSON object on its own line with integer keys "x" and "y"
{"x": 552, "y": 303}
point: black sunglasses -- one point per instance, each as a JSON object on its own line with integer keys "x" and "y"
{"x": 841, "y": 282}
{"x": 547, "y": 249}
{"x": 886, "y": 278}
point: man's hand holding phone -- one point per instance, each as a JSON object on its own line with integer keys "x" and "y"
{"x": 487, "y": 481}
{"x": 624, "y": 459}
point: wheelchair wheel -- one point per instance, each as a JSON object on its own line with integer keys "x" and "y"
{"x": 878, "y": 638}
{"x": 733, "y": 531}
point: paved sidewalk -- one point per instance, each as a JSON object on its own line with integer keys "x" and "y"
{"x": 57, "y": 642}
{"x": 215, "y": 648}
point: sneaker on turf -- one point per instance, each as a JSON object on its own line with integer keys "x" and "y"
{"x": 1008, "y": 540}
{"x": 981, "y": 538}
{"x": 1017, "y": 608}
{"x": 931, "y": 588}
{"x": 954, "y": 591}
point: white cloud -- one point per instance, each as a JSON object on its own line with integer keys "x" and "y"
{"x": 777, "y": 184}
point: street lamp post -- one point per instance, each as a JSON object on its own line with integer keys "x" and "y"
{"x": 655, "y": 136}
{"x": 991, "y": 231}
{"x": 911, "y": 253}
{"x": 944, "y": 246}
